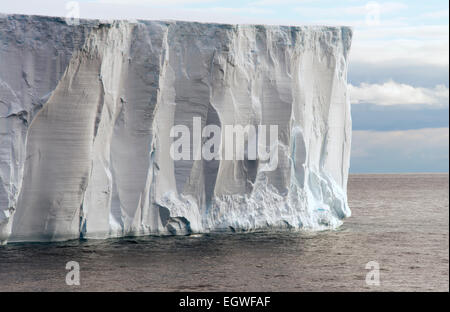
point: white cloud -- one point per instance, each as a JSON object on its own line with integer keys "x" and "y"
{"x": 394, "y": 30}
{"x": 360, "y": 10}
{"x": 401, "y": 51}
{"x": 392, "y": 93}
{"x": 436, "y": 14}
{"x": 408, "y": 45}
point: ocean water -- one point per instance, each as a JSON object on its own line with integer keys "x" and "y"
{"x": 401, "y": 221}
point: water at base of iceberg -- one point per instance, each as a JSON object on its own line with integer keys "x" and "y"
{"x": 399, "y": 221}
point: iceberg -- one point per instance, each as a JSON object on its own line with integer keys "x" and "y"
{"x": 87, "y": 110}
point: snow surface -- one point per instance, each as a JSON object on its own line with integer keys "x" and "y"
{"x": 86, "y": 112}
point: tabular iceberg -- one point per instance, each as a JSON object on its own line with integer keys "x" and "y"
{"x": 86, "y": 112}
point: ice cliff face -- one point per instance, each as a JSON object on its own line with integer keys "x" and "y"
{"x": 86, "y": 113}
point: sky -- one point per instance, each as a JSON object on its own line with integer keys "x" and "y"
{"x": 398, "y": 69}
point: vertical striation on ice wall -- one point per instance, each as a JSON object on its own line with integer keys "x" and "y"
{"x": 86, "y": 113}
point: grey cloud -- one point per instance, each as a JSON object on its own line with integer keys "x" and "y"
{"x": 398, "y": 117}
{"x": 423, "y": 150}
{"x": 416, "y": 75}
